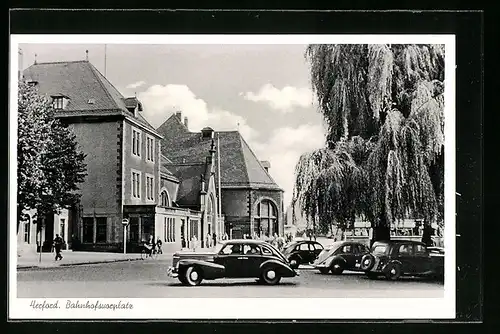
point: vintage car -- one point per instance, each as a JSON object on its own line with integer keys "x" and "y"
{"x": 302, "y": 252}
{"x": 340, "y": 256}
{"x": 393, "y": 259}
{"x": 244, "y": 258}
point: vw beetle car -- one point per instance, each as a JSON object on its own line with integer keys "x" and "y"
{"x": 244, "y": 258}
{"x": 394, "y": 259}
{"x": 340, "y": 256}
{"x": 302, "y": 252}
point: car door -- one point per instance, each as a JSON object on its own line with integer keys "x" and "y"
{"x": 405, "y": 256}
{"x": 304, "y": 251}
{"x": 231, "y": 257}
{"x": 318, "y": 248}
{"x": 422, "y": 259}
{"x": 359, "y": 251}
{"x": 347, "y": 252}
{"x": 253, "y": 259}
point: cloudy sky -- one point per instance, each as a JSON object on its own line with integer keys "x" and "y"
{"x": 262, "y": 90}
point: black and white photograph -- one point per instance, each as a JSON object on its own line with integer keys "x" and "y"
{"x": 245, "y": 176}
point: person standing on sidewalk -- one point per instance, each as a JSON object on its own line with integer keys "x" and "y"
{"x": 158, "y": 246}
{"x": 58, "y": 243}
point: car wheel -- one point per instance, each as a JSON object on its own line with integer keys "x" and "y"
{"x": 294, "y": 262}
{"x": 367, "y": 262}
{"x": 337, "y": 268}
{"x": 371, "y": 275}
{"x": 324, "y": 271}
{"x": 270, "y": 276}
{"x": 193, "y": 276}
{"x": 392, "y": 271}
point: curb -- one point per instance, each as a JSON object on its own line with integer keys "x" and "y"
{"x": 65, "y": 265}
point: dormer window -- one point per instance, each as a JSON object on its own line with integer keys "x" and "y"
{"x": 58, "y": 102}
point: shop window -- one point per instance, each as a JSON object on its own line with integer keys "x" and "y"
{"x": 102, "y": 229}
{"x": 266, "y": 220}
{"x": 88, "y": 230}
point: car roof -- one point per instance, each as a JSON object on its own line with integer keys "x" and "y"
{"x": 396, "y": 242}
{"x": 244, "y": 241}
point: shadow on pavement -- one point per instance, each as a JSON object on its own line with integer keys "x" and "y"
{"x": 222, "y": 284}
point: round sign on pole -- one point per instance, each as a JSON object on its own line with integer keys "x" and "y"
{"x": 125, "y": 221}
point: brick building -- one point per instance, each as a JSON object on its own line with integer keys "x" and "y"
{"x": 127, "y": 176}
{"x": 251, "y": 200}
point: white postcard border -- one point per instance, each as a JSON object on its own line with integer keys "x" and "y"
{"x": 248, "y": 308}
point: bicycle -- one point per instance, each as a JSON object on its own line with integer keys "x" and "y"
{"x": 146, "y": 252}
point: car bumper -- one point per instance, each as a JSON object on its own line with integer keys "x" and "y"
{"x": 172, "y": 272}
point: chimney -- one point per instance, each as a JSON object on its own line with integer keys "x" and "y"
{"x": 179, "y": 115}
{"x": 186, "y": 122}
{"x": 266, "y": 165}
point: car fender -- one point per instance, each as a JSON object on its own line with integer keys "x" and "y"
{"x": 283, "y": 269}
{"x": 392, "y": 262}
{"x": 336, "y": 258}
{"x": 294, "y": 255}
{"x": 209, "y": 270}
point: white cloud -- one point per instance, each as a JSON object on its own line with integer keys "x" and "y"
{"x": 281, "y": 99}
{"x": 136, "y": 84}
{"x": 161, "y": 101}
{"x": 284, "y": 149}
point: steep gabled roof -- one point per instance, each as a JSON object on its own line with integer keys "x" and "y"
{"x": 239, "y": 165}
{"x": 189, "y": 175}
{"x": 87, "y": 89}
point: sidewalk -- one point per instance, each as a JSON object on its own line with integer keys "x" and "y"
{"x": 31, "y": 260}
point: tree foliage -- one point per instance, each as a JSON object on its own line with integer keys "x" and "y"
{"x": 49, "y": 164}
{"x": 383, "y": 105}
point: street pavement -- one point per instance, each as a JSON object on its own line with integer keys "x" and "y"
{"x": 148, "y": 279}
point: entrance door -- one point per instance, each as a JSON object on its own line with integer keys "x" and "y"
{"x": 253, "y": 259}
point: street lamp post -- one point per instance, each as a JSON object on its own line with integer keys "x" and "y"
{"x": 125, "y": 222}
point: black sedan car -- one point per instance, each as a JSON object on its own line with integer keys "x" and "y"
{"x": 302, "y": 252}
{"x": 340, "y": 256}
{"x": 235, "y": 259}
{"x": 393, "y": 259}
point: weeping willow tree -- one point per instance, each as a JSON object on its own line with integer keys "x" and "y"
{"x": 384, "y": 158}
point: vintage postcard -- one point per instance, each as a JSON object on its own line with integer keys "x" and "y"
{"x": 242, "y": 176}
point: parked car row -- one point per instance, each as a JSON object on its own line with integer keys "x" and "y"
{"x": 249, "y": 258}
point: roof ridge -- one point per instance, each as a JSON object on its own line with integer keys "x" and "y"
{"x": 108, "y": 94}
{"x": 244, "y": 160}
{"x": 258, "y": 160}
{"x": 61, "y": 62}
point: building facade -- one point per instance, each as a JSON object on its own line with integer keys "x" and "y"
{"x": 125, "y": 173}
{"x": 251, "y": 201}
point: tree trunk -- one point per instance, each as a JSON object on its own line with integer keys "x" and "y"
{"x": 381, "y": 231}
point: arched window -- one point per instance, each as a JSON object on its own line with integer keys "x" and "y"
{"x": 164, "y": 200}
{"x": 266, "y": 222}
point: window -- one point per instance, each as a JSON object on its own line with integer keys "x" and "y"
{"x": 88, "y": 230}
{"x": 304, "y": 247}
{"x": 420, "y": 250}
{"x": 149, "y": 187}
{"x": 318, "y": 246}
{"x": 58, "y": 102}
{"x": 27, "y": 232}
{"x": 347, "y": 249}
{"x": 266, "y": 221}
{"x": 359, "y": 249}
{"x": 150, "y": 148}
{"x": 136, "y": 184}
{"x": 229, "y": 249}
{"x": 405, "y": 249}
{"x": 169, "y": 229}
{"x": 251, "y": 250}
{"x": 164, "y": 198}
{"x": 136, "y": 142}
{"x": 102, "y": 229}
{"x": 266, "y": 251}
{"x": 62, "y": 228}
{"x": 379, "y": 250}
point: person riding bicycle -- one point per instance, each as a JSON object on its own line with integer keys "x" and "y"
{"x": 150, "y": 246}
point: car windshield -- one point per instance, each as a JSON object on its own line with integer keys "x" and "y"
{"x": 379, "y": 249}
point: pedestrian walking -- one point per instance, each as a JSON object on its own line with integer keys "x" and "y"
{"x": 58, "y": 243}
{"x": 214, "y": 239}
{"x": 158, "y": 245}
{"x": 194, "y": 241}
